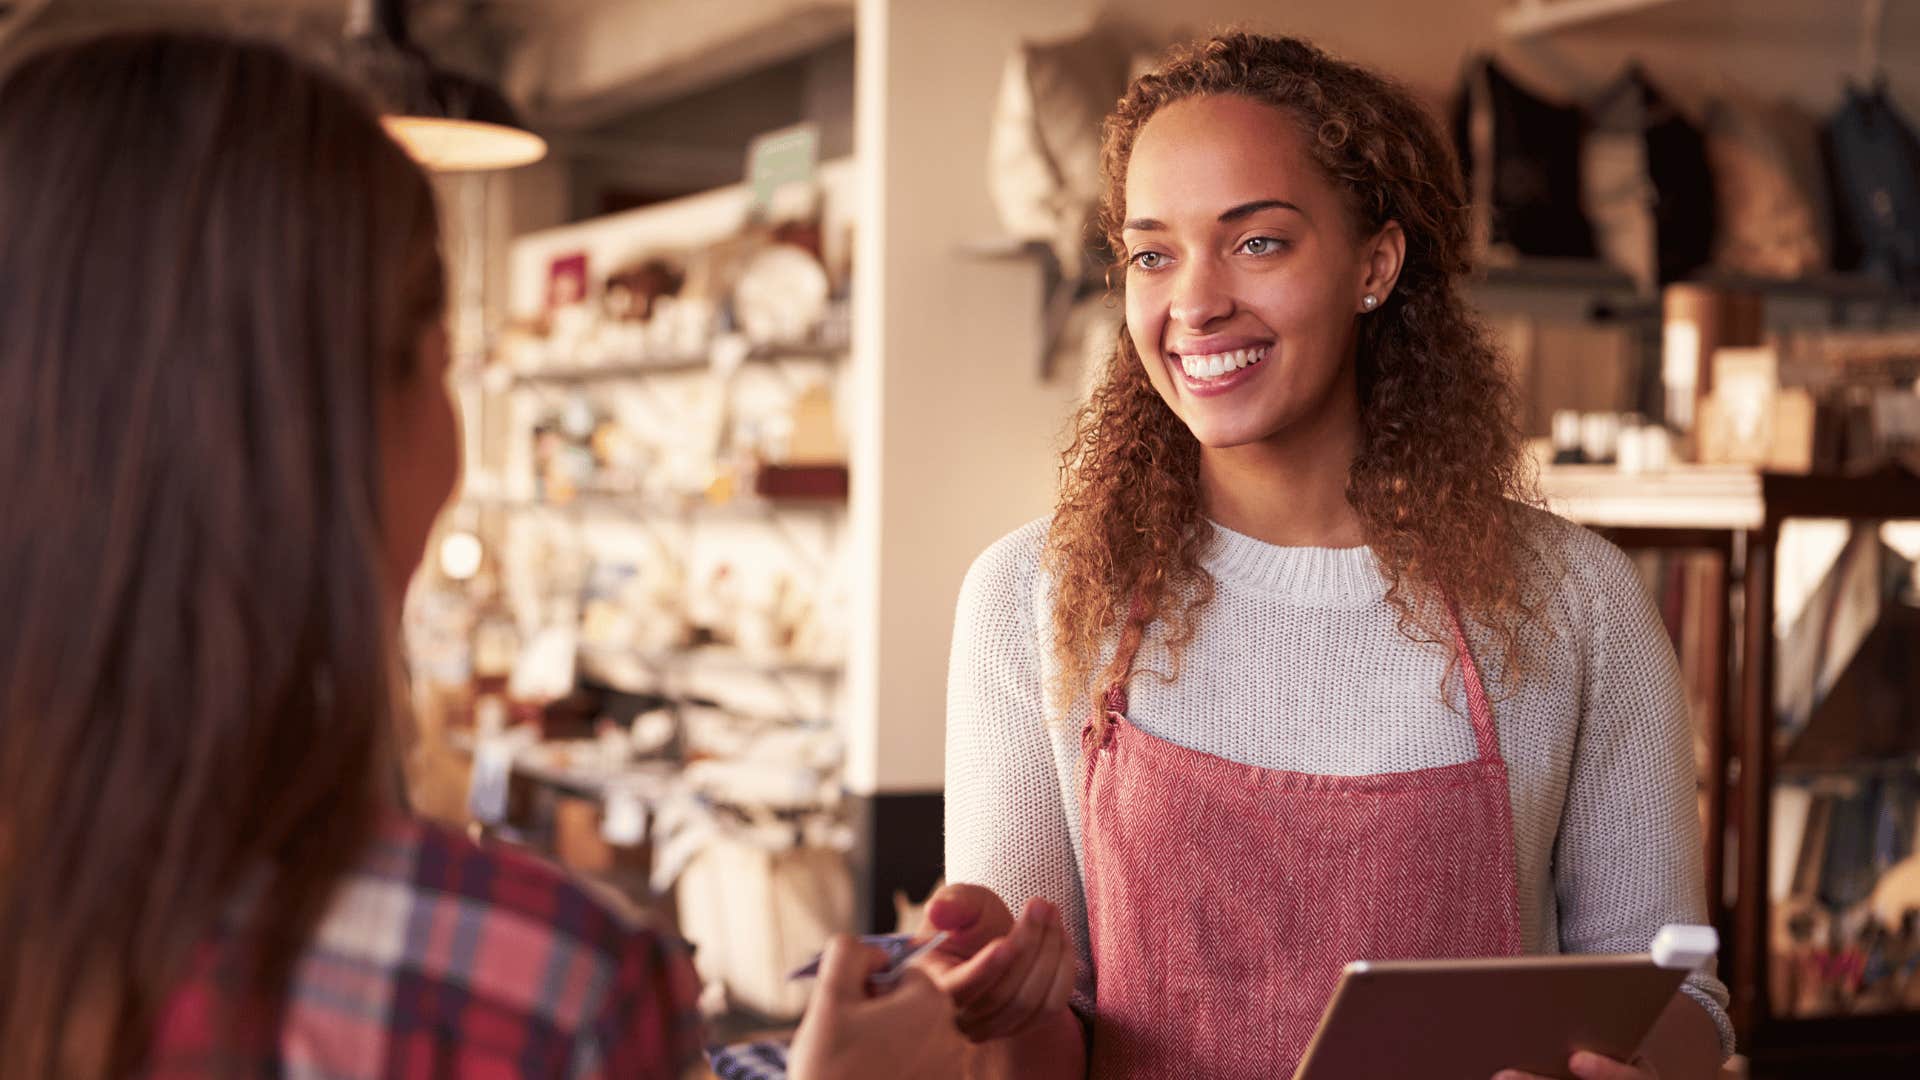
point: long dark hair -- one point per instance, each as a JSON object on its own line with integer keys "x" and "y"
{"x": 1440, "y": 480}
{"x": 213, "y": 262}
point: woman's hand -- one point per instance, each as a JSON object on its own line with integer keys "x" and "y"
{"x": 1590, "y": 1066}
{"x": 849, "y": 1034}
{"x": 1005, "y": 976}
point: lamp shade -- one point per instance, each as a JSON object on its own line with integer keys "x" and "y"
{"x": 448, "y": 121}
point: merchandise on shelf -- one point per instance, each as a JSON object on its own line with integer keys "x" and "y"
{"x": 1766, "y": 171}
{"x": 670, "y": 630}
{"x": 1521, "y": 155}
{"x": 781, "y": 296}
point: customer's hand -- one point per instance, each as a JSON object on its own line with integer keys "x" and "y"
{"x": 1590, "y": 1066}
{"x": 1004, "y": 975}
{"x": 851, "y": 1034}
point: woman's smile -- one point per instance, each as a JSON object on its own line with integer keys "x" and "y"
{"x": 1213, "y": 373}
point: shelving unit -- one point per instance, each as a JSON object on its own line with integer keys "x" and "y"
{"x": 1740, "y": 515}
{"x": 652, "y": 503}
{"x": 1687, "y": 497}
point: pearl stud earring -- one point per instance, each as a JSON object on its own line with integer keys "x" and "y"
{"x": 1370, "y": 301}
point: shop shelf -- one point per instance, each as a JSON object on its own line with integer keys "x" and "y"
{"x": 612, "y": 504}
{"x": 639, "y": 369}
{"x": 712, "y": 658}
{"x": 1738, "y": 514}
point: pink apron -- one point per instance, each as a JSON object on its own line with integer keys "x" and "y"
{"x": 1223, "y": 899}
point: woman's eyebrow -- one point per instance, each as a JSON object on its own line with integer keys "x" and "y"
{"x": 1249, "y": 208}
{"x": 1245, "y": 209}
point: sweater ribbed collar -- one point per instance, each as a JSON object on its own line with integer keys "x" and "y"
{"x": 1326, "y": 577}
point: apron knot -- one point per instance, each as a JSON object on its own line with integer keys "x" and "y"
{"x": 1098, "y": 732}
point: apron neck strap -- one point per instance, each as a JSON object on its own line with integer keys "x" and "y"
{"x": 1485, "y": 735}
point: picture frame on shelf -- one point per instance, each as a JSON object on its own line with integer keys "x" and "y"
{"x": 567, "y": 281}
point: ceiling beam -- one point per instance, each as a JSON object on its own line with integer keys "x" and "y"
{"x": 610, "y": 58}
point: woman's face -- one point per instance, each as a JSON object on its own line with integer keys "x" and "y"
{"x": 1244, "y": 274}
{"x": 419, "y": 454}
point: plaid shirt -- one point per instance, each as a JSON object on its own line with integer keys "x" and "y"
{"x": 440, "y": 957}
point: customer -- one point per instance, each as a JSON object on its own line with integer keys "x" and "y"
{"x": 224, "y": 436}
{"x": 1294, "y": 676}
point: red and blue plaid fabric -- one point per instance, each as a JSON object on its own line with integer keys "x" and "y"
{"x": 443, "y": 957}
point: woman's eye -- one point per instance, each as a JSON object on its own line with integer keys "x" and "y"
{"x": 1261, "y": 245}
{"x": 1149, "y": 260}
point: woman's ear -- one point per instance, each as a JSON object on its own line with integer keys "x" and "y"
{"x": 1386, "y": 253}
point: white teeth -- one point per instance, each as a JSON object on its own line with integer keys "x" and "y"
{"x": 1217, "y": 364}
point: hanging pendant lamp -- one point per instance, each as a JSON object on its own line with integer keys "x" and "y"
{"x": 449, "y": 122}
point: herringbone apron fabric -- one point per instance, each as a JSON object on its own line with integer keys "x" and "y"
{"x": 1223, "y": 899}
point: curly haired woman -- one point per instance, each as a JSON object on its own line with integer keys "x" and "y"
{"x": 1294, "y": 674}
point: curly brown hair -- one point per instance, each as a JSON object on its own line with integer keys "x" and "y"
{"x": 1439, "y": 483}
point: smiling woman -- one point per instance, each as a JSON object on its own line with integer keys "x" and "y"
{"x": 1211, "y": 292}
{"x": 1261, "y": 198}
{"x": 1398, "y": 712}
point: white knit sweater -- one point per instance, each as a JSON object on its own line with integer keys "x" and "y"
{"x": 1297, "y": 665}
